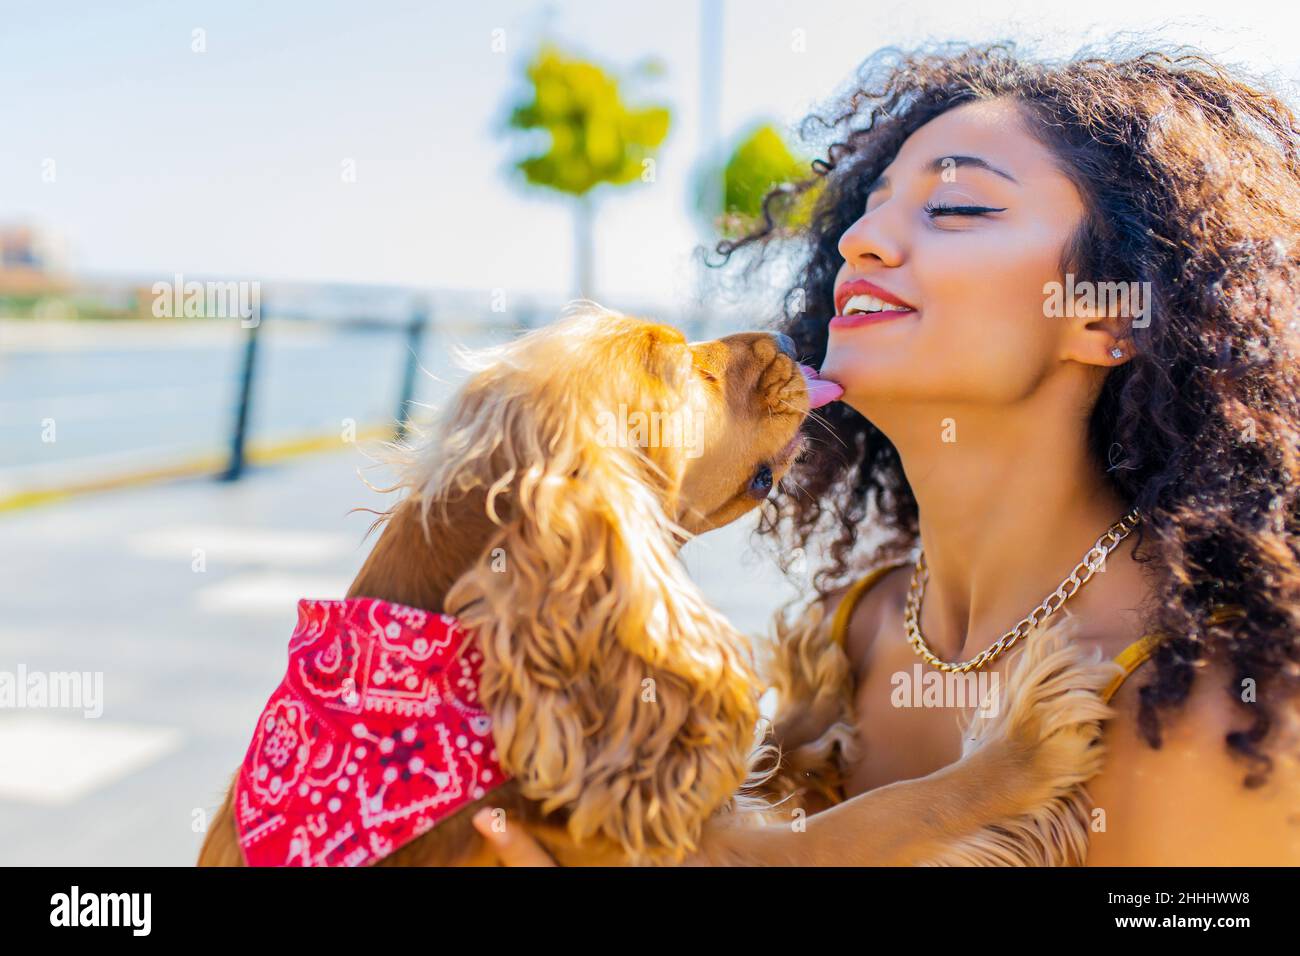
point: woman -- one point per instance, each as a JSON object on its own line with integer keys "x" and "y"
{"x": 1060, "y": 300}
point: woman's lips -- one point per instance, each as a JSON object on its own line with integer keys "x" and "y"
{"x": 853, "y": 287}
{"x": 866, "y": 318}
{"x": 820, "y": 391}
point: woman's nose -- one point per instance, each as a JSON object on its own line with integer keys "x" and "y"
{"x": 870, "y": 237}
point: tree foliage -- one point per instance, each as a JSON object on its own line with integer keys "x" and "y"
{"x": 595, "y": 137}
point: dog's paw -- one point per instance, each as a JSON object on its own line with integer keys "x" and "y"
{"x": 1045, "y": 716}
{"x": 1031, "y": 748}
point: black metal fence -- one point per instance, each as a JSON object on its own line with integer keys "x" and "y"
{"x": 415, "y": 330}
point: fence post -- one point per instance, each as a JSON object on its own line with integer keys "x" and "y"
{"x": 414, "y": 339}
{"x": 235, "y": 468}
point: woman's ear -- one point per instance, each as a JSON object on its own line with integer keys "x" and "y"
{"x": 621, "y": 701}
{"x": 1100, "y": 323}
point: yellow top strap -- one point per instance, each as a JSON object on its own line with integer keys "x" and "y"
{"x": 1131, "y": 658}
{"x": 1140, "y": 651}
{"x": 844, "y": 612}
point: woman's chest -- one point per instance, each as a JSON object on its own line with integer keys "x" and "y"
{"x": 910, "y": 717}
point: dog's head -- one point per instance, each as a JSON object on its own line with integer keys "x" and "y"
{"x": 711, "y": 427}
{"x": 622, "y": 702}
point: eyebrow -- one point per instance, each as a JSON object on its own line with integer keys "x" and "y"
{"x": 937, "y": 166}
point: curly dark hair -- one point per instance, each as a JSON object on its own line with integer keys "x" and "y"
{"x": 1190, "y": 182}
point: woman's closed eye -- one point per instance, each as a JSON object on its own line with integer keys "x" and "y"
{"x": 934, "y": 210}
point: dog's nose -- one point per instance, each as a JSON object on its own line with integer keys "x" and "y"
{"x": 786, "y": 345}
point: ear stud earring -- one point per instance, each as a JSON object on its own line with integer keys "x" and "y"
{"x": 1117, "y": 352}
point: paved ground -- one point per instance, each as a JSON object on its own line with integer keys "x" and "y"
{"x": 190, "y": 643}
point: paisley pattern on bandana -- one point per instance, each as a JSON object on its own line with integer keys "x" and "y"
{"x": 373, "y": 736}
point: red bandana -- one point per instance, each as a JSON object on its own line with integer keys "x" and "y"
{"x": 374, "y": 735}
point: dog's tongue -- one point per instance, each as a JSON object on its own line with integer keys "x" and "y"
{"x": 820, "y": 391}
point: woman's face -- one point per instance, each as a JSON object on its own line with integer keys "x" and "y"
{"x": 973, "y": 274}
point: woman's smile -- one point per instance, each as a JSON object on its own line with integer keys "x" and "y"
{"x": 860, "y": 302}
{"x": 862, "y": 295}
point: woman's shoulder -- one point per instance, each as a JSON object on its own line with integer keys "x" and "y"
{"x": 1185, "y": 803}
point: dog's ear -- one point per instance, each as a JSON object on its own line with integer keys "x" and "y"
{"x": 622, "y": 702}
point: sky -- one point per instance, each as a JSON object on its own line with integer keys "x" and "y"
{"x": 229, "y": 162}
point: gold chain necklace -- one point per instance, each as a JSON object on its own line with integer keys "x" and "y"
{"x": 1092, "y": 562}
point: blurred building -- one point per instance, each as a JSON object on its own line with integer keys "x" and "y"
{"x": 30, "y": 262}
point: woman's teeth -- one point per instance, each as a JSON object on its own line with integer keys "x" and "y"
{"x": 869, "y": 303}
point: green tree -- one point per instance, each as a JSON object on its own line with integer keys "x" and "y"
{"x": 760, "y": 162}
{"x": 595, "y": 137}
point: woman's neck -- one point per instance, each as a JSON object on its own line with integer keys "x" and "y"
{"x": 1007, "y": 508}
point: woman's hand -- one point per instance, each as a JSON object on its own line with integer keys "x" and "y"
{"x": 514, "y": 846}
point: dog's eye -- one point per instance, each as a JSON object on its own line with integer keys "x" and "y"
{"x": 708, "y": 376}
{"x": 761, "y": 484}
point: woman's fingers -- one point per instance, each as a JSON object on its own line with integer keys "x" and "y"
{"x": 514, "y": 845}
